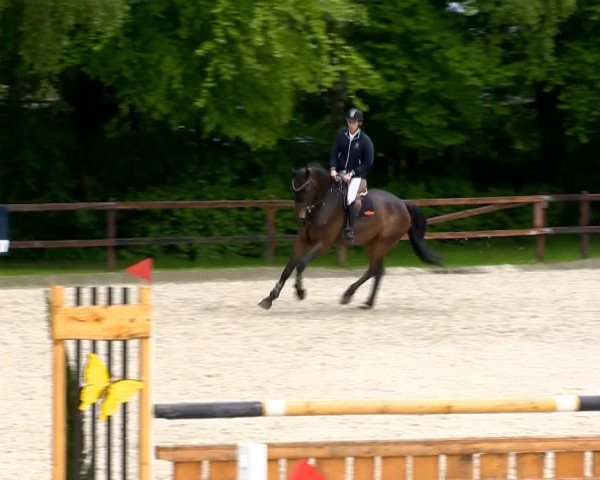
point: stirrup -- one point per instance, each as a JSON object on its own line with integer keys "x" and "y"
{"x": 348, "y": 234}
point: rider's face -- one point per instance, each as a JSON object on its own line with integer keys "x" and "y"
{"x": 353, "y": 125}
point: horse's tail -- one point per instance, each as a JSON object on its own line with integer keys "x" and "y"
{"x": 416, "y": 235}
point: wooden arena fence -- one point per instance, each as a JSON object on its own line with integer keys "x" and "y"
{"x": 479, "y": 206}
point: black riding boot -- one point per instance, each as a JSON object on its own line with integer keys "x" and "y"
{"x": 349, "y": 230}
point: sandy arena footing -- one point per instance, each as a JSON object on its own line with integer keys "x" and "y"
{"x": 495, "y": 331}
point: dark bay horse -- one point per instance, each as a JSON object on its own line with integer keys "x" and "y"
{"x": 319, "y": 202}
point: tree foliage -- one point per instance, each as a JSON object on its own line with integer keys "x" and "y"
{"x": 43, "y": 37}
{"x": 261, "y": 55}
{"x": 434, "y": 69}
{"x": 216, "y": 89}
{"x": 237, "y": 67}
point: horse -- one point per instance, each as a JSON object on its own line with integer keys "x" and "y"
{"x": 319, "y": 202}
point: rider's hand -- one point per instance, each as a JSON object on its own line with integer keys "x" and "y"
{"x": 347, "y": 177}
{"x": 333, "y": 173}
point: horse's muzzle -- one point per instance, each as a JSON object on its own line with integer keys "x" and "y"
{"x": 301, "y": 213}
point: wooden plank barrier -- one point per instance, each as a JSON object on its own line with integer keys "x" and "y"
{"x": 448, "y": 459}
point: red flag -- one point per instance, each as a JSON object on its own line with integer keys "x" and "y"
{"x": 142, "y": 269}
{"x": 305, "y": 471}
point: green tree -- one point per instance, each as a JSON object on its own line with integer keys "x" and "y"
{"x": 549, "y": 49}
{"x": 236, "y": 67}
{"x": 41, "y": 38}
{"x": 577, "y": 73}
{"x": 502, "y": 82}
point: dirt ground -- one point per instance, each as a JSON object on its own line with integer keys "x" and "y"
{"x": 500, "y": 331}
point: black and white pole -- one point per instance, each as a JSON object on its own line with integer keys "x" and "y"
{"x": 414, "y": 406}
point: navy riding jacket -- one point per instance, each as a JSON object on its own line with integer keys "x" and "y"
{"x": 354, "y": 155}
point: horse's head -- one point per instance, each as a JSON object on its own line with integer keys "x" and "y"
{"x": 310, "y": 186}
{"x": 304, "y": 188}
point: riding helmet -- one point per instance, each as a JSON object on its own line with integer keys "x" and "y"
{"x": 354, "y": 114}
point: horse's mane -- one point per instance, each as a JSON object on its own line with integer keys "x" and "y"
{"x": 318, "y": 169}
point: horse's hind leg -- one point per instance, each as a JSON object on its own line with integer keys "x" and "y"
{"x": 377, "y": 274}
{"x": 349, "y": 293}
{"x": 371, "y": 249}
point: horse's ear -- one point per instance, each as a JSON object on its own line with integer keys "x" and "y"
{"x": 307, "y": 171}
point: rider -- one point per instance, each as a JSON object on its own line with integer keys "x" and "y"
{"x": 351, "y": 155}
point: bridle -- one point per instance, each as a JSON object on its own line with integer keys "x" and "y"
{"x": 303, "y": 185}
{"x": 338, "y": 185}
{"x": 308, "y": 182}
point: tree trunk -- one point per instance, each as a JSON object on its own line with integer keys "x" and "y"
{"x": 93, "y": 106}
{"x": 338, "y": 102}
{"x": 553, "y": 159}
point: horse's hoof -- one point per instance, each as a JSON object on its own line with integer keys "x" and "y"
{"x": 366, "y": 306}
{"x": 346, "y": 299}
{"x": 266, "y": 303}
{"x": 301, "y": 294}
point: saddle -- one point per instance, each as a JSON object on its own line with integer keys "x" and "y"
{"x": 363, "y": 203}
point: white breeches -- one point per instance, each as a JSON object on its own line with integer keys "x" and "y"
{"x": 352, "y": 189}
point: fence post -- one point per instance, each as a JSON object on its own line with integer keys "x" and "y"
{"x": 539, "y": 221}
{"x": 270, "y": 215}
{"x": 341, "y": 254}
{"x": 584, "y": 221}
{"x": 111, "y": 234}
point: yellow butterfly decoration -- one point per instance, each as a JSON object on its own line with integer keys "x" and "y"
{"x": 98, "y": 384}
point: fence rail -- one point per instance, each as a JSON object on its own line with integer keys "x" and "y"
{"x": 529, "y": 458}
{"x": 111, "y": 242}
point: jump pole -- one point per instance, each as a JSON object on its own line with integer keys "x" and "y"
{"x": 409, "y": 406}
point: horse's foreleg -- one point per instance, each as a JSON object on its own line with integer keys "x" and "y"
{"x": 287, "y": 271}
{"x": 302, "y": 264}
{"x": 378, "y": 274}
{"x": 299, "y": 247}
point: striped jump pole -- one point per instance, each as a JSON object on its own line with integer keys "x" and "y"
{"x": 414, "y": 406}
